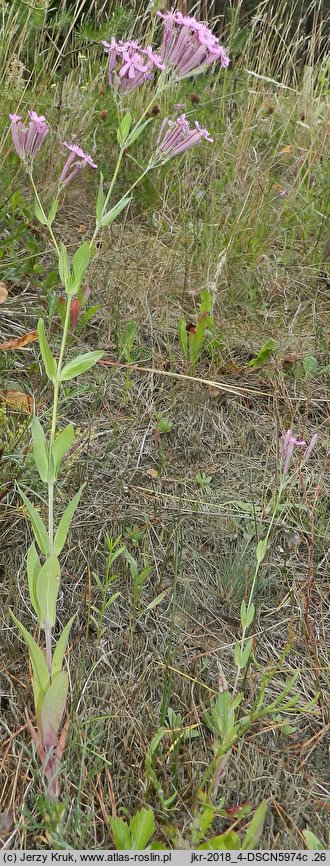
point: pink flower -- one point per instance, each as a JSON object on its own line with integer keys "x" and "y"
{"x": 76, "y": 161}
{"x": 177, "y": 136}
{"x": 28, "y": 141}
{"x": 189, "y": 45}
{"x": 287, "y": 444}
{"x": 130, "y": 65}
{"x": 154, "y": 58}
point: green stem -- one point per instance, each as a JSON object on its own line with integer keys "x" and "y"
{"x": 109, "y": 193}
{"x": 54, "y": 420}
{"x": 51, "y": 516}
{"x": 54, "y": 241}
{"x": 155, "y": 96}
{"x": 255, "y": 577}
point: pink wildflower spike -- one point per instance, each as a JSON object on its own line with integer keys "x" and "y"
{"x": 189, "y": 45}
{"x": 27, "y": 142}
{"x": 18, "y": 134}
{"x": 130, "y": 65}
{"x": 76, "y": 161}
{"x": 154, "y": 58}
{"x": 287, "y": 444}
{"x": 204, "y": 132}
{"x": 177, "y": 136}
{"x": 37, "y": 130}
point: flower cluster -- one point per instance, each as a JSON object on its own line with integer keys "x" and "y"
{"x": 27, "y": 141}
{"x": 177, "y": 136}
{"x": 189, "y": 45}
{"x": 287, "y": 444}
{"x": 76, "y": 161}
{"x": 130, "y": 65}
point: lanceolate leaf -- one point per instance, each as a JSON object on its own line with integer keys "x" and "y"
{"x": 53, "y": 211}
{"x": 63, "y": 265}
{"x": 61, "y": 445}
{"x": 40, "y": 214}
{"x": 255, "y": 827}
{"x": 137, "y": 132}
{"x": 115, "y": 211}
{"x": 47, "y": 587}
{"x": 53, "y": 705}
{"x": 37, "y": 657}
{"x": 79, "y": 264}
{"x": 100, "y": 200}
{"x": 124, "y": 128}
{"x": 40, "y": 450}
{"x": 183, "y": 336}
{"x": 49, "y": 361}
{"x": 80, "y": 365}
{"x": 33, "y": 567}
{"x": 64, "y": 524}
{"x": 264, "y": 354}
{"x": 61, "y": 647}
{"x": 38, "y": 526}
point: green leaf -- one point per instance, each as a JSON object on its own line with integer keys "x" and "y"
{"x": 137, "y": 132}
{"x": 206, "y": 303}
{"x": 80, "y": 365}
{"x": 312, "y": 842}
{"x": 183, "y": 336}
{"x": 61, "y": 445}
{"x": 242, "y": 656}
{"x": 87, "y": 315}
{"x": 310, "y": 365}
{"x": 64, "y": 524}
{"x": 142, "y": 827}
{"x": 49, "y": 362}
{"x": 37, "y": 657}
{"x": 112, "y": 214}
{"x": 229, "y": 841}
{"x": 255, "y": 828}
{"x": 80, "y": 262}
{"x": 40, "y": 450}
{"x": 121, "y": 834}
{"x": 53, "y": 705}
{"x": 201, "y": 822}
{"x": 261, "y": 549}
{"x": 47, "y": 587}
{"x": 100, "y": 200}
{"x": 247, "y": 614}
{"x": 155, "y": 601}
{"x": 124, "y": 128}
{"x": 61, "y": 646}
{"x": 33, "y": 565}
{"x": 40, "y": 214}
{"x": 53, "y": 211}
{"x": 264, "y": 354}
{"x": 38, "y": 526}
{"x": 63, "y": 265}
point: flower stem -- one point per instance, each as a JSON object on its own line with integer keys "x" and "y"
{"x": 255, "y": 576}
{"x": 54, "y": 241}
{"x": 109, "y": 193}
{"x": 54, "y": 421}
